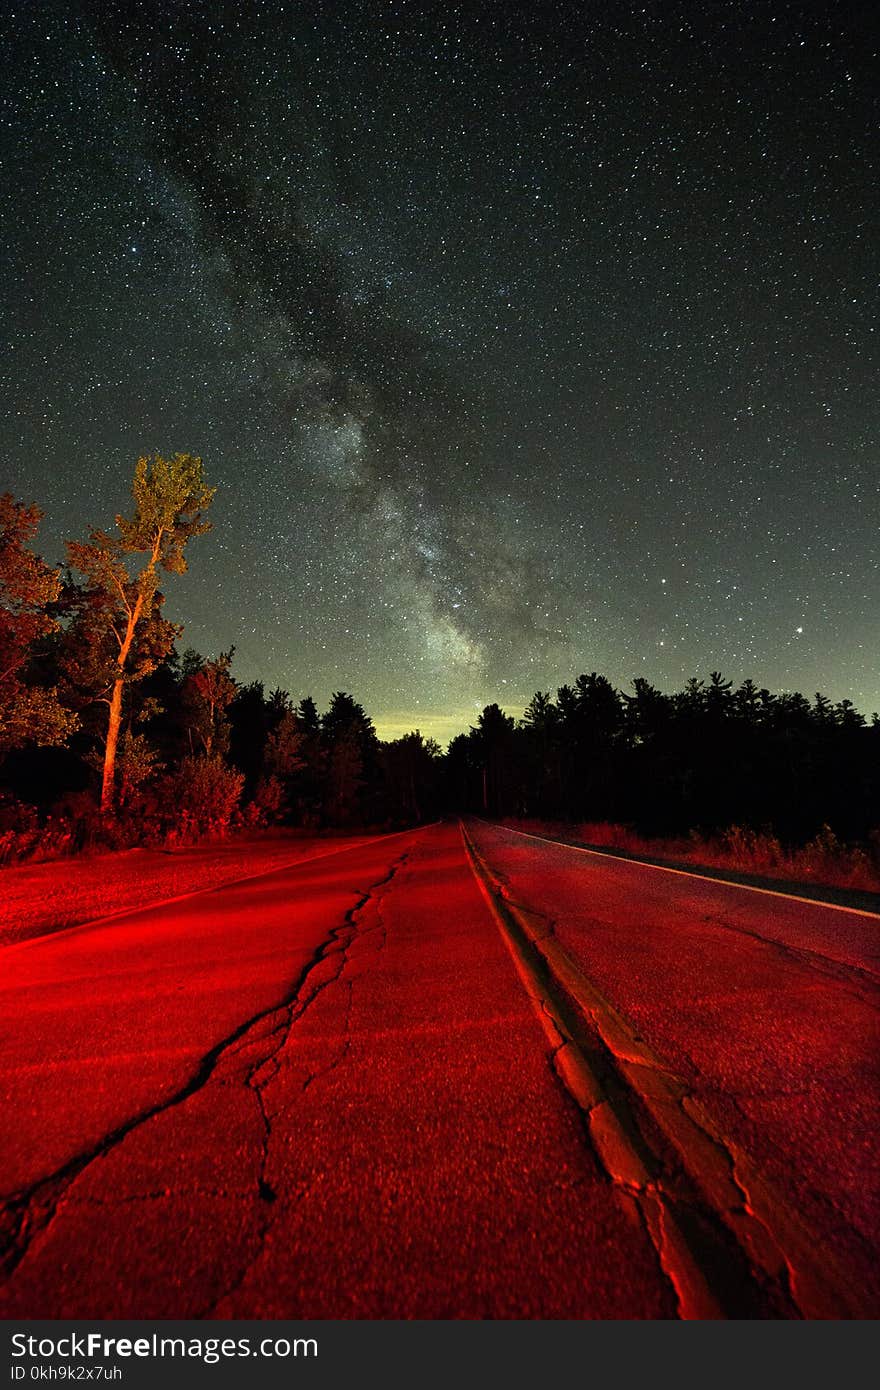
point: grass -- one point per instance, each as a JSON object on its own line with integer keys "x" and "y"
{"x": 825, "y": 860}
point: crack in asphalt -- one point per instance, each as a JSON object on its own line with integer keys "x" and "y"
{"x": 842, "y": 972}
{"x": 821, "y": 1199}
{"x": 504, "y": 888}
{"x": 629, "y": 1167}
{"x": 29, "y": 1213}
{"x": 727, "y": 1195}
{"x": 266, "y": 1069}
{"x": 681, "y": 1226}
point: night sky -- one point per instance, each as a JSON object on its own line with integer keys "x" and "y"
{"x": 521, "y": 340}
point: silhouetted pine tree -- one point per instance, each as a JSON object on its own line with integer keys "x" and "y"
{"x": 349, "y": 739}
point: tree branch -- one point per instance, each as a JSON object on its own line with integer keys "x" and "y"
{"x": 118, "y": 582}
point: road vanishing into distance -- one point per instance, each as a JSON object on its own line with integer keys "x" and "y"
{"x": 452, "y": 1072}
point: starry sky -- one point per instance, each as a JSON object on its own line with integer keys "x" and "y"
{"x": 520, "y": 339}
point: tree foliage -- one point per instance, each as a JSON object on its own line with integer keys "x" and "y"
{"x": 207, "y": 694}
{"x": 29, "y": 712}
{"x": 120, "y": 604}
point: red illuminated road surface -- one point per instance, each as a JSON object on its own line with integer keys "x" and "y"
{"x": 355, "y": 1088}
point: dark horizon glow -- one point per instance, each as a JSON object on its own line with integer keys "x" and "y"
{"x": 519, "y": 342}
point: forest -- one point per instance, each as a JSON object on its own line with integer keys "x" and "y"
{"x": 112, "y": 734}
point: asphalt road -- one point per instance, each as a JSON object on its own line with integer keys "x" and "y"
{"x": 342, "y": 1090}
{"x": 762, "y": 1006}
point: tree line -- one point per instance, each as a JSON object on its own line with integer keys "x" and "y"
{"x": 109, "y": 733}
{"x": 706, "y": 757}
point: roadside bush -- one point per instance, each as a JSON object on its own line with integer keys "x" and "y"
{"x": 73, "y": 825}
{"x": 752, "y": 851}
{"x": 200, "y": 798}
{"x": 268, "y": 804}
{"x": 20, "y": 830}
{"x": 80, "y": 826}
{"x": 824, "y": 860}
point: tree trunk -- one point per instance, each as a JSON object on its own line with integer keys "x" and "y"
{"x": 113, "y": 727}
{"x": 115, "y": 721}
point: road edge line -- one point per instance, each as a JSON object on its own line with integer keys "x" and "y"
{"x": 684, "y": 873}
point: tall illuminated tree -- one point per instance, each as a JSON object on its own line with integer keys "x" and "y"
{"x": 122, "y": 580}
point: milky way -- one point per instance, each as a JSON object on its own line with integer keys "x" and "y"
{"x": 520, "y": 341}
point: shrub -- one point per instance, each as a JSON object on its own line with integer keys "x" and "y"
{"x": 750, "y": 850}
{"x": 19, "y": 830}
{"x": 268, "y": 804}
{"x": 200, "y": 797}
{"x": 825, "y": 860}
